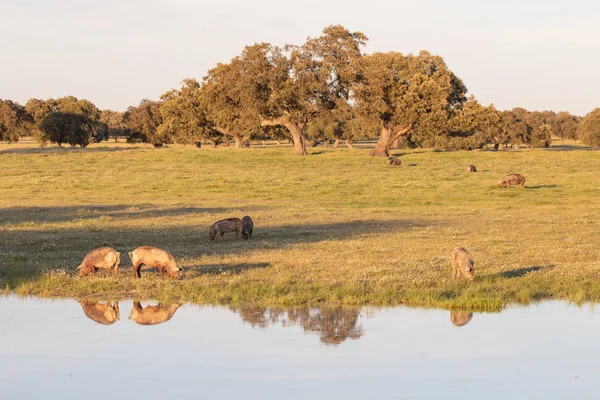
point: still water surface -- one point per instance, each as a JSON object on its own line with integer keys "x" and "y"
{"x": 65, "y": 349}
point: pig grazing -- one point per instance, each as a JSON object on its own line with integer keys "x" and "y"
{"x": 153, "y": 257}
{"x": 226, "y": 225}
{"x": 105, "y": 314}
{"x": 394, "y": 161}
{"x": 152, "y": 315}
{"x": 471, "y": 168}
{"x": 248, "y": 226}
{"x": 462, "y": 263}
{"x": 512, "y": 180}
{"x": 460, "y": 318}
{"x": 102, "y": 258}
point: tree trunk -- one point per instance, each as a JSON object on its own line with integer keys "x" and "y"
{"x": 382, "y": 148}
{"x": 278, "y": 142}
{"x": 389, "y": 134}
{"x": 349, "y": 143}
{"x": 295, "y": 130}
{"x": 397, "y": 143}
{"x": 299, "y": 143}
{"x": 239, "y": 141}
{"x": 336, "y": 143}
{"x": 314, "y": 143}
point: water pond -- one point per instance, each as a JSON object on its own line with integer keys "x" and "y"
{"x": 65, "y": 349}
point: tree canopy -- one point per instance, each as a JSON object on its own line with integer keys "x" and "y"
{"x": 324, "y": 89}
{"x": 589, "y": 129}
{"x": 143, "y": 122}
{"x": 14, "y": 121}
{"x": 407, "y": 95}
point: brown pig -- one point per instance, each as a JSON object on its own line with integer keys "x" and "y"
{"x": 154, "y": 257}
{"x": 471, "y": 168}
{"x": 226, "y": 225}
{"x": 394, "y": 161}
{"x": 462, "y": 263}
{"x": 248, "y": 226}
{"x": 105, "y": 314}
{"x": 460, "y": 318}
{"x": 512, "y": 180}
{"x": 152, "y": 315}
{"x": 102, "y": 258}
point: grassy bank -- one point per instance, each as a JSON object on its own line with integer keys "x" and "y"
{"x": 334, "y": 227}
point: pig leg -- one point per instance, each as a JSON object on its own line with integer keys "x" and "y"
{"x": 162, "y": 270}
{"x": 136, "y": 270}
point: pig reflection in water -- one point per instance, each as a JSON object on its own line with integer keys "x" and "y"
{"x": 152, "y": 315}
{"x": 335, "y": 325}
{"x": 460, "y": 318}
{"x": 105, "y": 314}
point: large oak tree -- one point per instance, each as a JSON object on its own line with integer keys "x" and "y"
{"x": 407, "y": 94}
{"x": 293, "y": 85}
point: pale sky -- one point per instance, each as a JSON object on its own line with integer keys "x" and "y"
{"x": 537, "y": 54}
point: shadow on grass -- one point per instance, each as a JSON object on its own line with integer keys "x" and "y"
{"x": 28, "y": 252}
{"x": 566, "y": 147}
{"x": 521, "y": 272}
{"x": 72, "y": 213}
{"x": 540, "y": 187}
{"x": 64, "y": 150}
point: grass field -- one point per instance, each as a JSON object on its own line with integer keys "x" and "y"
{"x": 334, "y": 227}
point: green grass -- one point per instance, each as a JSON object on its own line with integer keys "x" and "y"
{"x": 334, "y": 227}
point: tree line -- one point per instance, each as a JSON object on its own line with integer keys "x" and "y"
{"x": 325, "y": 89}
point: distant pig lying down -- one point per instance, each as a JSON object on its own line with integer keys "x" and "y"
{"x": 153, "y": 257}
{"x": 102, "y": 258}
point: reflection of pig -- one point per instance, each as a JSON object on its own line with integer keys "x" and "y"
{"x": 105, "y": 314}
{"x": 248, "y": 226}
{"x": 104, "y": 257}
{"x": 153, "y": 257}
{"x": 460, "y": 318}
{"x": 226, "y": 225}
{"x": 462, "y": 263}
{"x": 512, "y": 180}
{"x": 152, "y": 315}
